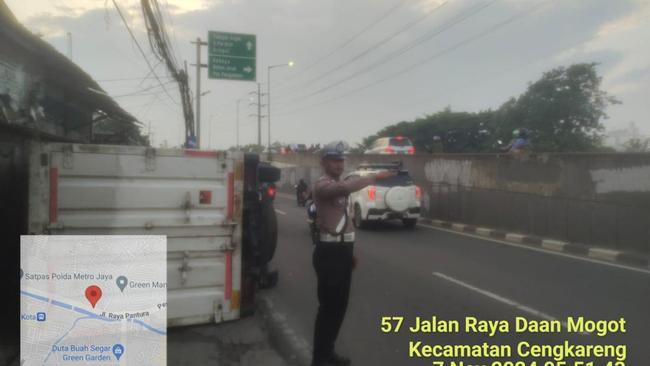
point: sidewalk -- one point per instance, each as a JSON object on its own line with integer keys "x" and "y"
{"x": 239, "y": 343}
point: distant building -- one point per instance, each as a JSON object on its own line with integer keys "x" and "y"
{"x": 43, "y": 93}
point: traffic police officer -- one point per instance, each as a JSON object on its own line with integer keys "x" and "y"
{"x": 333, "y": 255}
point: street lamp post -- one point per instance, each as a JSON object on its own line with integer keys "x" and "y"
{"x": 268, "y": 95}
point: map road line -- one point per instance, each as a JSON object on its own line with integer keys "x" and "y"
{"x": 90, "y": 314}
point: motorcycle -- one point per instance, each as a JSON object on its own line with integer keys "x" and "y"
{"x": 302, "y": 195}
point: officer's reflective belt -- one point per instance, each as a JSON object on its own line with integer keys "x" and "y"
{"x": 329, "y": 238}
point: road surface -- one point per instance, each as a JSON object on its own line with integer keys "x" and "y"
{"x": 432, "y": 272}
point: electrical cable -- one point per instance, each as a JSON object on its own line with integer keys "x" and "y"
{"x": 376, "y": 45}
{"x": 426, "y": 37}
{"x": 420, "y": 63}
{"x": 128, "y": 28}
{"x": 353, "y": 38}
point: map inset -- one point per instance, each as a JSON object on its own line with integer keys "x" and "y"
{"x": 93, "y": 300}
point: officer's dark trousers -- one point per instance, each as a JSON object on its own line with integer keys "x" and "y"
{"x": 333, "y": 265}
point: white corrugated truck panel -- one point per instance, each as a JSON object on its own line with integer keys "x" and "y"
{"x": 194, "y": 198}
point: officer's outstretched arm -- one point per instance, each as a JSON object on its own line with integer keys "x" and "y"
{"x": 331, "y": 189}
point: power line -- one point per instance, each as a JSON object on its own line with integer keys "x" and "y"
{"x": 428, "y": 59}
{"x": 130, "y": 79}
{"x": 160, "y": 45}
{"x": 126, "y": 24}
{"x": 156, "y": 101}
{"x": 354, "y": 37}
{"x": 376, "y": 45}
{"x": 149, "y": 73}
{"x": 143, "y": 90}
{"x": 171, "y": 21}
{"x": 426, "y": 37}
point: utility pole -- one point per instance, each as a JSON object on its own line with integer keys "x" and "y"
{"x": 150, "y": 135}
{"x": 70, "y": 46}
{"x": 210, "y": 132}
{"x": 237, "y": 126}
{"x": 268, "y": 100}
{"x": 198, "y": 65}
{"x": 259, "y": 112}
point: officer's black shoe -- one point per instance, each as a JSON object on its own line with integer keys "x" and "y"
{"x": 335, "y": 359}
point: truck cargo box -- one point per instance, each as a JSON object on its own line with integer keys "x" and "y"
{"x": 193, "y": 197}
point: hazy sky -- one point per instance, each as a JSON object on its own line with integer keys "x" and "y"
{"x": 423, "y": 56}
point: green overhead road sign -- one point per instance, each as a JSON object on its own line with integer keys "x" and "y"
{"x": 232, "y": 56}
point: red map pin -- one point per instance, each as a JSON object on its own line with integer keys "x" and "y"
{"x": 93, "y": 294}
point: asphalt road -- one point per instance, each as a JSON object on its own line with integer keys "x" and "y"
{"x": 429, "y": 272}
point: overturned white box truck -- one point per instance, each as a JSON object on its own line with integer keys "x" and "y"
{"x": 216, "y": 209}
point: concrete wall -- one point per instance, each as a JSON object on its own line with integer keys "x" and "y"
{"x": 596, "y": 199}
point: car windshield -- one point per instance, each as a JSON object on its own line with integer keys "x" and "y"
{"x": 400, "y": 141}
{"x": 402, "y": 179}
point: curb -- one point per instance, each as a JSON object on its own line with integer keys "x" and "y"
{"x": 292, "y": 347}
{"x": 603, "y": 254}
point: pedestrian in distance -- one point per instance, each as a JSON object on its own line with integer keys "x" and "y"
{"x": 333, "y": 257}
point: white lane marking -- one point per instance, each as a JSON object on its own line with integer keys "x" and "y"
{"x": 493, "y": 296}
{"x": 585, "y": 259}
{"x": 280, "y": 212}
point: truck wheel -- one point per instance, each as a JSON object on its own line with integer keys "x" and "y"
{"x": 358, "y": 220}
{"x": 268, "y": 279}
{"x": 268, "y": 231}
{"x": 410, "y": 223}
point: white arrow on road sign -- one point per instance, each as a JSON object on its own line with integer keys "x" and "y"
{"x": 249, "y": 45}
{"x": 248, "y": 69}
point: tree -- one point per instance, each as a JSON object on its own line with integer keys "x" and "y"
{"x": 358, "y": 149}
{"x": 563, "y": 110}
{"x": 637, "y": 145}
{"x": 456, "y": 131}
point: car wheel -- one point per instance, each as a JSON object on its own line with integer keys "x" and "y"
{"x": 410, "y": 223}
{"x": 358, "y": 220}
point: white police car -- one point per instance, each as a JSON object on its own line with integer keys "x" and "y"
{"x": 394, "y": 198}
{"x": 392, "y": 145}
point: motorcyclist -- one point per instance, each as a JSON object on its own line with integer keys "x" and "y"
{"x": 519, "y": 142}
{"x": 301, "y": 192}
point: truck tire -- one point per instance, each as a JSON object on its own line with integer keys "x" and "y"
{"x": 268, "y": 233}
